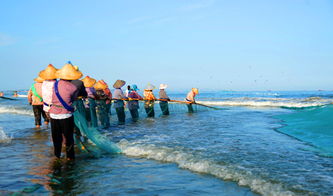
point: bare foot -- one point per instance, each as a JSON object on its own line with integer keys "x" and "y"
{"x": 46, "y": 123}
{"x": 37, "y": 126}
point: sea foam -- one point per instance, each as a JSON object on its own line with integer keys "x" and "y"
{"x": 15, "y": 110}
{"x": 270, "y": 102}
{"x": 3, "y": 137}
{"x": 198, "y": 164}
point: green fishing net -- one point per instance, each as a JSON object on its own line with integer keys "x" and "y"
{"x": 96, "y": 139}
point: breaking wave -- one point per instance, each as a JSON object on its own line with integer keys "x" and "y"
{"x": 270, "y": 102}
{"x": 197, "y": 164}
{"x": 15, "y": 110}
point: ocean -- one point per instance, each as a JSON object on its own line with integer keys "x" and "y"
{"x": 257, "y": 143}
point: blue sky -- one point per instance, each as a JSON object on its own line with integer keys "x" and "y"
{"x": 209, "y": 44}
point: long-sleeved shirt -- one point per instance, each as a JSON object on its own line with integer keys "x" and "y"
{"x": 133, "y": 104}
{"x": 134, "y": 95}
{"x": 190, "y": 96}
{"x": 162, "y": 94}
{"x": 47, "y": 92}
{"x": 91, "y": 92}
{"x": 148, "y": 95}
{"x": 118, "y": 94}
{"x": 109, "y": 94}
{"x": 68, "y": 93}
{"x": 32, "y": 98}
{"x": 81, "y": 92}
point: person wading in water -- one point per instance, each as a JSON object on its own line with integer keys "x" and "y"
{"x": 61, "y": 112}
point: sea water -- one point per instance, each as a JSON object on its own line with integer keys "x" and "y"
{"x": 265, "y": 143}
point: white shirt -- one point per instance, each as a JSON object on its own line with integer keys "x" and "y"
{"x": 47, "y": 92}
{"x": 60, "y": 116}
{"x": 118, "y": 94}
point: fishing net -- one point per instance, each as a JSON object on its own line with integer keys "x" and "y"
{"x": 96, "y": 139}
{"x": 91, "y": 117}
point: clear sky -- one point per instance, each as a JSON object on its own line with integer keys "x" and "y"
{"x": 209, "y": 44}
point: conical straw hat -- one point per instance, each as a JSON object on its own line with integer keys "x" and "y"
{"x": 48, "y": 73}
{"x": 150, "y": 87}
{"x": 103, "y": 82}
{"x": 119, "y": 84}
{"x": 88, "y": 81}
{"x": 39, "y": 79}
{"x": 100, "y": 85}
{"x": 195, "y": 90}
{"x": 163, "y": 86}
{"x": 69, "y": 72}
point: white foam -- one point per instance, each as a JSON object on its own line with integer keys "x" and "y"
{"x": 15, "y": 110}
{"x": 3, "y": 137}
{"x": 270, "y": 102}
{"x": 197, "y": 164}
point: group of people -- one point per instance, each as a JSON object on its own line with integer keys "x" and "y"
{"x": 55, "y": 91}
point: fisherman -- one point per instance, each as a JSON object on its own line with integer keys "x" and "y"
{"x": 128, "y": 90}
{"x": 101, "y": 107}
{"x": 133, "y": 102}
{"x": 164, "y": 99}
{"x": 119, "y": 101}
{"x": 49, "y": 76}
{"x": 149, "y": 100}
{"x": 35, "y": 99}
{"x": 15, "y": 94}
{"x": 90, "y": 104}
{"x": 1, "y": 94}
{"x": 190, "y": 99}
{"x": 108, "y": 100}
{"x": 61, "y": 112}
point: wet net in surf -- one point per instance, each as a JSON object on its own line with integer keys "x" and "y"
{"x": 91, "y": 116}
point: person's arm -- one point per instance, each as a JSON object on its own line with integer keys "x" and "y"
{"x": 83, "y": 92}
{"x": 167, "y": 97}
{"x": 193, "y": 97}
{"x": 139, "y": 97}
{"x": 30, "y": 96}
{"x": 122, "y": 95}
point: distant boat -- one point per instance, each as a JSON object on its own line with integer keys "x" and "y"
{"x": 22, "y": 95}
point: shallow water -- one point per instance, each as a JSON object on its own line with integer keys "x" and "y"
{"x": 235, "y": 151}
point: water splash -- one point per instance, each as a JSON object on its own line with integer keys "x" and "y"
{"x": 3, "y": 137}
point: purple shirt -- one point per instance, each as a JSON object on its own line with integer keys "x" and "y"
{"x": 91, "y": 92}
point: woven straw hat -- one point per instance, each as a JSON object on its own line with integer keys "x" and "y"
{"x": 39, "y": 79}
{"x": 119, "y": 84}
{"x": 100, "y": 85}
{"x": 88, "y": 81}
{"x": 69, "y": 72}
{"x": 49, "y": 73}
{"x": 195, "y": 90}
{"x": 163, "y": 86}
{"x": 150, "y": 87}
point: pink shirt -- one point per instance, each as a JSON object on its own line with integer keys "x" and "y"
{"x": 190, "y": 96}
{"x": 66, "y": 91}
{"x": 47, "y": 92}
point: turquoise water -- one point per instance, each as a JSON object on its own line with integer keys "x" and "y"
{"x": 313, "y": 125}
{"x": 266, "y": 143}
